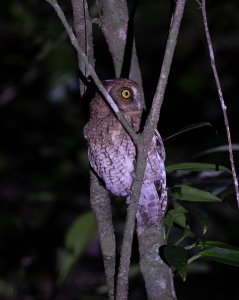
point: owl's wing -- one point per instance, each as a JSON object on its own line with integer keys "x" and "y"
{"x": 149, "y": 210}
{"x": 159, "y": 144}
{"x": 161, "y": 184}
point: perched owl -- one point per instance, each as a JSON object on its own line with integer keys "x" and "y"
{"x": 112, "y": 153}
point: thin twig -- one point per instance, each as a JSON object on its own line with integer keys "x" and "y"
{"x": 91, "y": 70}
{"x": 220, "y": 95}
{"x": 167, "y": 61}
{"x": 143, "y": 145}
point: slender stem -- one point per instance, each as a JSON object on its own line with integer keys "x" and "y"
{"x": 193, "y": 258}
{"x": 180, "y": 240}
{"x": 220, "y": 95}
{"x": 169, "y": 228}
{"x": 190, "y": 246}
{"x": 91, "y": 70}
{"x": 144, "y": 142}
{"x": 126, "y": 249}
{"x": 167, "y": 61}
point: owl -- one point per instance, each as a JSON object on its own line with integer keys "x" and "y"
{"x": 112, "y": 153}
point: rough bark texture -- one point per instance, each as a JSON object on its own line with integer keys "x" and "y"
{"x": 143, "y": 144}
{"x": 83, "y": 31}
{"x": 114, "y": 25}
{"x": 99, "y": 197}
{"x": 100, "y": 203}
{"x": 157, "y": 275}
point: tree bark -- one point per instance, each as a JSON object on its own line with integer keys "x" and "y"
{"x": 83, "y": 31}
{"x": 99, "y": 197}
{"x": 100, "y": 203}
{"x": 157, "y": 275}
{"x": 115, "y": 25}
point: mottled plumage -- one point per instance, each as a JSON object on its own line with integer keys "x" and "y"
{"x": 112, "y": 152}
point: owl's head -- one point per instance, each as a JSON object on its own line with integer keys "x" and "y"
{"x": 127, "y": 94}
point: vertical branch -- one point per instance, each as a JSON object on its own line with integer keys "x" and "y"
{"x": 99, "y": 197}
{"x": 157, "y": 275}
{"x": 126, "y": 248}
{"x": 114, "y": 25}
{"x": 100, "y": 203}
{"x": 143, "y": 144}
{"x": 166, "y": 65}
{"x": 220, "y": 95}
{"x": 83, "y": 30}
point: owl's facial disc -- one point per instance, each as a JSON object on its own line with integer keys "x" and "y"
{"x": 127, "y": 94}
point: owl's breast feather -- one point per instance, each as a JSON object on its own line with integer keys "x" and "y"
{"x": 114, "y": 163}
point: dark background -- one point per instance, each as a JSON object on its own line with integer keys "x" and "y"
{"x": 44, "y": 177}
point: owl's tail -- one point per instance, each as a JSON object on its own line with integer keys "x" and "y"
{"x": 152, "y": 204}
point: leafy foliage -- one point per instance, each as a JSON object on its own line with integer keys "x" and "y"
{"x": 188, "y": 193}
{"x": 177, "y": 258}
{"x": 78, "y": 237}
{"x": 220, "y": 252}
{"x": 194, "y": 223}
{"x": 196, "y": 166}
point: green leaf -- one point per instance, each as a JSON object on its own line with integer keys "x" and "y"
{"x": 188, "y": 128}
{"x": 177, "y": 216}
{"x": 196, "y": 167}
{"x": 177, "y": 258}
{"x": 77, "y": 239}
{"x": 221, "y": 252}
{"x": 199, "y": 215}
{"x": 188, "y": 193}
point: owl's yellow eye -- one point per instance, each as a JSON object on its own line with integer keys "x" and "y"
{"x": 126, "y": 93}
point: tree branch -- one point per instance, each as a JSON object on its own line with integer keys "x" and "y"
{"x": 220, "y": 95}
{"x": 91, "y": 70}
{"x": 157, "y": 274}
{"x": 100, "y": 203}
{"x": 167, "y": 61}
{"x": 99, "y": 196}
{"x": 83, "y": 30}
{"x": 117, "y": 29}
{"x": 143, "y": 144}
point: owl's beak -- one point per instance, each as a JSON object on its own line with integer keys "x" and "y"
{"x": 138, "y": 97}
{"x": 141, "y": 104}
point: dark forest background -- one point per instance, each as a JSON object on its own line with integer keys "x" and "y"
{"x": 44, "y": 172}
